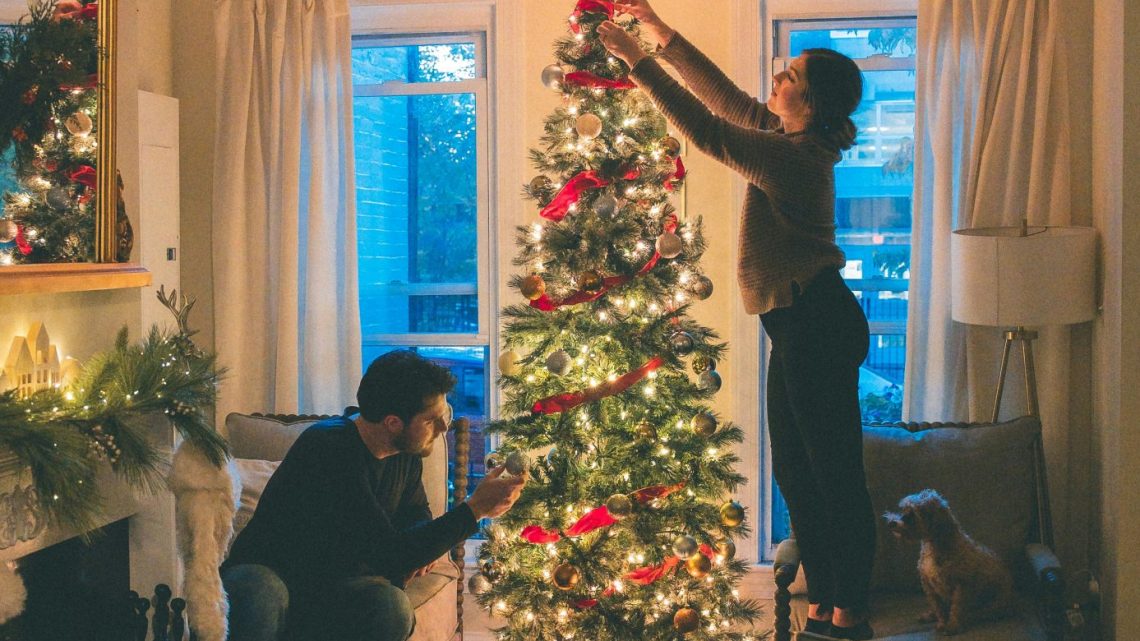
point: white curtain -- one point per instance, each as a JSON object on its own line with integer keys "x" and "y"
{"x": 285, "y": 282}
{"x": 993, "y": 126}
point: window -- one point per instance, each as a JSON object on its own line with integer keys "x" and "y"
{"x": 420, "y": 119}
{"x": 873, "y": 186}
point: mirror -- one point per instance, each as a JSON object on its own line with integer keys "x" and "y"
{"x": 60, "y": 196}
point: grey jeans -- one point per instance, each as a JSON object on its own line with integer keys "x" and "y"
{"x": 262, "y": 608}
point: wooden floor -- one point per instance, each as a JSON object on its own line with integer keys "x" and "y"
{"x": 477, "y": 624}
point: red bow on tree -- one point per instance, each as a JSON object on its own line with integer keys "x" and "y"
{"x": 672, "y": 179}
{"x": 593, "y": 80}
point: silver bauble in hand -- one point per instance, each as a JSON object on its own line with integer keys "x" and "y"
{"x": 517, "y": 463}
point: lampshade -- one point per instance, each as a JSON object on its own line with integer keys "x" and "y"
{"x": 1006, "y": 279}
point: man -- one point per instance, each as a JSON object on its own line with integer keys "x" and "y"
{"x": 344, "y": 522}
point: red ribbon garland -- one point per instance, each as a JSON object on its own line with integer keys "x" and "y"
{"x": 90, "y": 82}
{"x": 563, "y": 402}
{"x": 22, "y": 241}
{"x": 672, "y": 179}
{"x": 85, "y": 176}
{"x": 546, "y": 304}
{"x": 538, "y": 535}
{"x": 596, "y": 518}
{"x": 650, "y": 574}
{"x": 647, "y": 494}
{"x": 594, "y": 6}
{"x": 594, "y": 81}
{"x": 570, "y": 193}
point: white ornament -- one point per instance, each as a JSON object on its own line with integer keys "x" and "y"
{"x": 669, "y": 245}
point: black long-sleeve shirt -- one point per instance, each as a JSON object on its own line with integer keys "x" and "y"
{"x": 333, "y": 511}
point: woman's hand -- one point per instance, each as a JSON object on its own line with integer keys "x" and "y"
{"x": 659, "y": 32}
{"x": 620, "y": 43}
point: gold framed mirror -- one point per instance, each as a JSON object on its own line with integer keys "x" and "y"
{"x": 106, "y": 236}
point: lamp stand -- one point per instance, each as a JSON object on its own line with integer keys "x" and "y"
{"x": 1026, "y": 336}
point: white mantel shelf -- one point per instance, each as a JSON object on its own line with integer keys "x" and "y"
{"x": 71, "y": 277}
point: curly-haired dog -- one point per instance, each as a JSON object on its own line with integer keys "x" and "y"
{"x": 964, "y": 581}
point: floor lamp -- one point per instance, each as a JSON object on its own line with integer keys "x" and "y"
{"x": 1021, "y": 277}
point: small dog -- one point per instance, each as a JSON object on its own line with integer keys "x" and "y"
{"x": 964, "y": 581}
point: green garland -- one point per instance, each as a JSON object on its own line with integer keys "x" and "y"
{"x": 64, "y": 435}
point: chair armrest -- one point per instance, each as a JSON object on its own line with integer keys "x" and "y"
{"x": 784, "y": 568}
{"x": 462, "y": 429}
{"x": 1050, "y": 589}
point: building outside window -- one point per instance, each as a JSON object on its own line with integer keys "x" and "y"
{"x": 874, "y": 183}
{"x": 420, "y": 115}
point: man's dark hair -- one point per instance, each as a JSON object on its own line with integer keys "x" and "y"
{"x": 398, "y": 383}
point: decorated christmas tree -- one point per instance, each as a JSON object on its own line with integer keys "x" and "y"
{"x": 48, "y": 80}
{"x": 625, "y": 529}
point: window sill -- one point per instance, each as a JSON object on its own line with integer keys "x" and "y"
{"x": 71, "y": 277}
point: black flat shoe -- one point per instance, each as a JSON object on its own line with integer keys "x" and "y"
{"x": 861, "y": 632}
{"x": 818, "y": 626}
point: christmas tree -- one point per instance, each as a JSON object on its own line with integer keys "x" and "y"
{"x": 625, "y": 529}
{"x": 48, "y": 80}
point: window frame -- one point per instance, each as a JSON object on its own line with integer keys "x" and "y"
{"x": 478, "y": 87}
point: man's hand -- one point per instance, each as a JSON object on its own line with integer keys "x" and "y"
{"x": 420, "y": 572}
{"x": 495, "y": 494}
{"x": 659, "y": 32}
{"x": 620, "y": 43}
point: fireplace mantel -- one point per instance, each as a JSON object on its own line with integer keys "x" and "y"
{"x": 153, "y": 549}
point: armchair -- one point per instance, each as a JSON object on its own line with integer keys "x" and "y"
{"x": 992, "y": 474}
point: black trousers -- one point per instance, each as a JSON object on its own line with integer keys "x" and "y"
{"x": 815, "y": 426}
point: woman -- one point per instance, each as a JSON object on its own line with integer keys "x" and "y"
{"x": 788, "y": 273}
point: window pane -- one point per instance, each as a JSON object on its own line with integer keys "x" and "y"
{"x": 897, "y": 42}
{"x": 417, "y": 207}
{"x": 413, "y": 63}
{"x": 469, "y": 398}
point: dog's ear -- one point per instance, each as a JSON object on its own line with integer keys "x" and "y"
{"x": 934, "y": 514}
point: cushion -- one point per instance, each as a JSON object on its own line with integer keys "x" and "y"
{"x": 254, "y": 475}
{"x": 433, "y": 595}
{"x": 985, "y": 472}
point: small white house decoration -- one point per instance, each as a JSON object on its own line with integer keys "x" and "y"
{"x": 32, "y": 364}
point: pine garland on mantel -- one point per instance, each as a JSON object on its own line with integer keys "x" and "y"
{"x": 64, "y": 435}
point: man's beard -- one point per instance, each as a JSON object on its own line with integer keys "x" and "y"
{"x": 405, "y": 446}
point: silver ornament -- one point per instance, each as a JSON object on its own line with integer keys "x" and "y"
{"x": 709, "y": 381}
{"x": 702, "y": 287}
{"x": 726, "y": 548}
{"x": 478, "y": 584}
{"x": 8, "y": 230}
{"x": 552, "y": 77}
{"x": 517, "y": 463}
{"x": 59, "y": 197}
{"x": 606, "y": 205}
{"x": 682, "y": 343}
{"x": 685, "y": 546}
{"x": 559, "y": 363}
{"x": 493, "y": 460}
{"x": 669, "y": 245}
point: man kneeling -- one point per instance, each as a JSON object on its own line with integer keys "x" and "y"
{"x": 344, "y": 522}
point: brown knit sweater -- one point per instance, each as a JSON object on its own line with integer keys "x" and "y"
{"x": 787, "y": 228}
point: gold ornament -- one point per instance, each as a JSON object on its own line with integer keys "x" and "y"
{"x": 509, "y": 363}
{"x": 686, "y": 620}
{"x": 646, "y": 431}
{"x": 566, "y": 576}
{"x": 726, "y": 548}
{"x": 732, "y": 514}
{"x": 669, "y": 245}
{"x": 698, "y": 566}
{"x": 478, "y": 584}
{"x": 541, "y": 183}
{"x": 533, "y": 287}
{"x": 591, "y": 280}
{"x": 8, "y": 230}
{"x": 491, "y": 570}
{"x": 619, "y": 506}
{"x": 588, "y": 125}
{"x": 702, "y": 364}
{"x": 78, "y": 124}
{"x": 671, "y": 145}
{"x": 703, "y": 424}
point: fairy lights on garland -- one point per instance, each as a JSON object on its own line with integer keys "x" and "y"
{"x": 64, "y": 435}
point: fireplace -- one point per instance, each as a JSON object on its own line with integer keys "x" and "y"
{"x": 77, "y": 590}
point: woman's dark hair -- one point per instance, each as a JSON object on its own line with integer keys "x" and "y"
{"x": 834, "y": 89}
{"x": 398, "y": 383}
